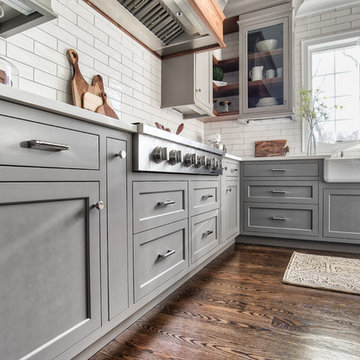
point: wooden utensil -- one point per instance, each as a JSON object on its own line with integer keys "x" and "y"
{"x": 271, "y": 148}
{"x": 79, "y": 85}
{"x": 159, "y": 126}
{"x": 180, "y": 129}
{"x": 91, "y": 102}
{"x": 105, "y": 109}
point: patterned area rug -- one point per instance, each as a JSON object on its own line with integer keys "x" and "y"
{"x": 324, "y": 272}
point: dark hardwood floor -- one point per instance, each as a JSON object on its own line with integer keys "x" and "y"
{"x": 237, "y": 308}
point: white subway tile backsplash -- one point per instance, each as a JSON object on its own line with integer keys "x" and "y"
{"x": 37, "y": 88}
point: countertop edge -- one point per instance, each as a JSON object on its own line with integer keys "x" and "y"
{"x": 22, "y": 97}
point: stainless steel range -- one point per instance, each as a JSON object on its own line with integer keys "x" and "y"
{"x": 156, "y": 150}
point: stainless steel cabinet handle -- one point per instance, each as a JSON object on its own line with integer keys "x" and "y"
{"x": 47, "y": 145}
{"x": 278, "y": 218}
{"x": 165, "y": 203}
{"x": 278, "y": 170}
{"x": 99, "y": 205}
{"x": 234, "y": 170}
{"x": 198, "y": 90}
{"x": 278, "y": 192}
{"x": 121, "y": 154}
{"x": 167, "y": 254}
{"x": 207, "y": 233}
{"x": 207, "y": 196}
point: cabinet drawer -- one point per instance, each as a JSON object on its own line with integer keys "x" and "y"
{"x": 281, "y": 169}
{"x": 159, "y": 255}
{"x": 204, "y": 234}
{"x": 231, "y": 168}
{"x": 282, "y": 219}
{"x": 204, "y": 196}
{"x": 282, "y": 191}
{"x": 15, "y": 150}
{"x": 158, "y": 203}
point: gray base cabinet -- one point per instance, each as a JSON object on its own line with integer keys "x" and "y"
{"x": 49, "y": 267}
{"x": 342, "y": 213}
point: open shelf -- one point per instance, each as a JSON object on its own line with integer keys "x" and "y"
{"x": 265, "y": 54}
{"x": 223, "y": 91}
{"x": 227, "y": 65}
{"x": 265, "y": 82}
{"x": 229, "y": 113}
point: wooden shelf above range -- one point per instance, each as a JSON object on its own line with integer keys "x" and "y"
{"x": 227, "y": 65}
{"x": 224, "y": 91}
{"x": 229, "y": 113}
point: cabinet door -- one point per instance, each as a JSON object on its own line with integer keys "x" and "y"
{"x": 49, "y": 267}
{"x": 117, "y": 228}
{"x": 203, "y": 80}
{"x": 341, "y": 213}
{"x": 232, "y": 199}
{"x": 264, "y": 67}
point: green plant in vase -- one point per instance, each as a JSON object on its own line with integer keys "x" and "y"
{"x": 313, "y": 110}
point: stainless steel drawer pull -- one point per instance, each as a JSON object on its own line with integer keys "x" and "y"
{"x": 278, "y": 170}
{"x": 165, "y": 203}
{"x": 207, "y": 233}
{"x": 279, "y": 192}
{"x": 47, "y": 145}
{"x": 278, "y": 218}
{"x": 167, "y": 254}
{"x": 207, "y": 196}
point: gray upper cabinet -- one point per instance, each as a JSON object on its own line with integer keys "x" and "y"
{"x": 186, "y": 84}
{"x": 49, "y": 267}
{"x": 342, "y": 213}
{"x": 266, "y": 58}
{"x": 118, "y": 291}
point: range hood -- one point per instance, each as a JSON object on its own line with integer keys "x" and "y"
{"x": 20, "y": 15}
{"x": 168, "y": 26}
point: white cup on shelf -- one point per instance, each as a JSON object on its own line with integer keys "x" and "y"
{"x": 256, "y": 73}
{"x": 270, "y": 73}
{"x": 279, "y": 72}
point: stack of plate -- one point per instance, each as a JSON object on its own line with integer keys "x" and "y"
{"x": 267, "y": 101}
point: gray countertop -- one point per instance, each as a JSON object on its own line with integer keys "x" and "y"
{"x": 32, "y": 100}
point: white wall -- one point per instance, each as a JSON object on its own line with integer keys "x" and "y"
{"x": 132, "y": 75}
{"x": 239, "y": 138}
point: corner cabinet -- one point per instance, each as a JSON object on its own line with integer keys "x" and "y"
{"x": 186, "y": 84}
{"x": 266, "y": 58}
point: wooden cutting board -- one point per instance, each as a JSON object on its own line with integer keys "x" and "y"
{"x": 105, "y": 108}
{"x": 271, "y": 148}
{"x": 79, "y": 85}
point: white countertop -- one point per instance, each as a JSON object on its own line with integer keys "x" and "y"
{"x": 294, "y": 157}
{"x": 32, "y": 100}
{"x": 233, "y": 157}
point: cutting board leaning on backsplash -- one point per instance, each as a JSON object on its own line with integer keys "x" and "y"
{"x": 271, "y": 148}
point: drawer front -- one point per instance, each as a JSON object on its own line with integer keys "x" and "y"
{"x": 204, "y": 234}
{"x": 282, "y": 191}
{"x": 231, "y": 168}
{"x": 15, "y": 150}
{"x": 158, "y": 203}
{"x": 281, "y": 169}
{"x": 282, "y": 219}
{"x": 159, "y": 255}
{"x": 204, "y": 196}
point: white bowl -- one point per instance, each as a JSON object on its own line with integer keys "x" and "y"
{"x": 266, "y": 45}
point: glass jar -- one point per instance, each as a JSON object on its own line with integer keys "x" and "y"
{"x": 9, "y": 74}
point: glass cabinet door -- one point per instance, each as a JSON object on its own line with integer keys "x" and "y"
{"x": 265, "y": 71}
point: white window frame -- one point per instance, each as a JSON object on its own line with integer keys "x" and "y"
{"x": 307, "y": 49}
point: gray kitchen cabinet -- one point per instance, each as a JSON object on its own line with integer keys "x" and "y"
{"x": 204, "y": 196}
{"x": 159, "y": 254}
{"x": 205, "y": 234}
{"x": 186, "y": 84}
{"x": 232, "y": 208}
{"x": 342, "y": 212}
{"x": 118, "y": 288}
{"x": 49, "y": 267}
{"x": 266, "y": 58}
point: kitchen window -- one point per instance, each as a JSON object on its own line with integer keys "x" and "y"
{"x": 332, "y": 65}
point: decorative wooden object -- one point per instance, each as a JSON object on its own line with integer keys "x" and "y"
{"x": 180, "y": 129}
{"x": 105, "y": 108}
{"x": 271, "y": 148}
{"x": 91, "y": 102}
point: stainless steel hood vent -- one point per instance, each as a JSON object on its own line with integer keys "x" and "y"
{"x": 155, "y": 15}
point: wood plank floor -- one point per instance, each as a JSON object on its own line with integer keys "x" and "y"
{"x": 237, "y": 308}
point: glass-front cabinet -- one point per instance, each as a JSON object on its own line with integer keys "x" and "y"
{"x": 265, "y": 61}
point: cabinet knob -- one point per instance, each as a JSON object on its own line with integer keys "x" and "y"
{"x": 121, "y": 154}
{"x": 198, "y": 90}
{"x": 99, "y": 205}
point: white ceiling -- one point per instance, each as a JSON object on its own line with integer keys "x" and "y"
{"x": 309, "y": 7}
